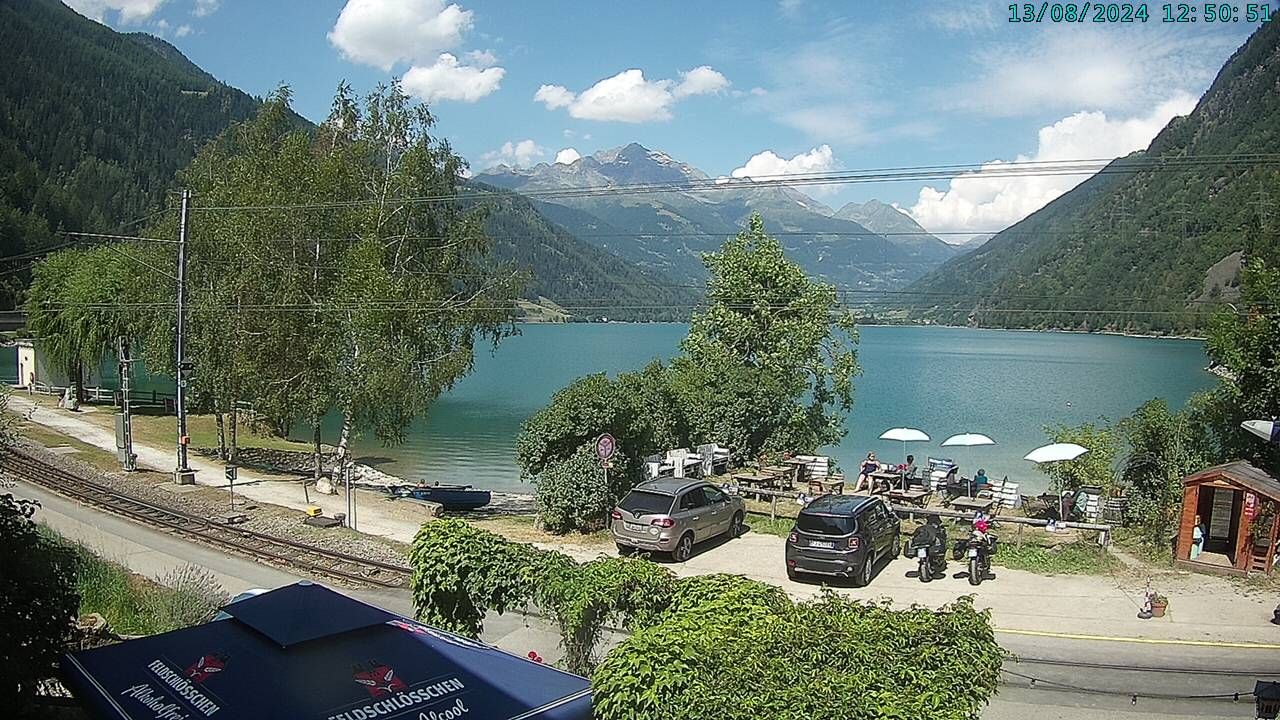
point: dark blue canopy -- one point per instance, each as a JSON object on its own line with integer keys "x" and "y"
{"x": 305, "y": 652}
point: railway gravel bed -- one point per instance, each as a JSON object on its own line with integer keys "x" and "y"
{"x": 96, "y": 488}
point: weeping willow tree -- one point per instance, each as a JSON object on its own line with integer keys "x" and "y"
{"x": 332, "y": 270}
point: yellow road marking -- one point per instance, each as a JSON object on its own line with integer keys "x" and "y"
{"x": 1145, "y": 641}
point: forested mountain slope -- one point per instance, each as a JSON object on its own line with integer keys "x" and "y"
{"x": 94, "y": 125}
{"x": 1148, "y": 251}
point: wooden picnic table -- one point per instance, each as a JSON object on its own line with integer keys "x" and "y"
{"x": 909, "y": 497}
{"x": 823, "y": 486}
{"x": 783, "y": 472}
{"x": 755, "y": 479}
{"x": 975, "y": 504}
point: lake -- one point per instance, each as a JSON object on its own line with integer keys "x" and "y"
{"x": 1005, "y": 384}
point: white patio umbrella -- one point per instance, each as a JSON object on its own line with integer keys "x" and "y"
{"x": 968, "y": 440}
{"x": 1057, "y": 452}
{"x": 906, "y": 435}
{"x": 1268, "y": 430}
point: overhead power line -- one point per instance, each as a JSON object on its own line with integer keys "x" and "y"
{"x": 879, "y": 175}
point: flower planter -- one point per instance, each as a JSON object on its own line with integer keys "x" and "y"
{"x": 1158, "y": 608}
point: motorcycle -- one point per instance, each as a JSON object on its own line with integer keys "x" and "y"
{"x": 928, "y": 545}
{"x": 978, "y": 548}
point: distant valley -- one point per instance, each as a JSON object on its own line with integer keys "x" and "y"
{"x": 668, "y": 231}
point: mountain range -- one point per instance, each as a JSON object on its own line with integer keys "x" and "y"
{"x": 1158, "y": 249}
{"x": 95, "y": 124}
{"x": 668, "y": 227}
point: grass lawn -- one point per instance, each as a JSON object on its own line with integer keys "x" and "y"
{"x": 521, "y": 528}
{"x": 161, "y": 431}
{"x": 92, "y": 454}
{"x": 1074, "y": 557}
{"x": 133, "y": 604}
{"x": 760, "y": 523}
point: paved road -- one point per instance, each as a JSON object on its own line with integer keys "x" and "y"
{"x": 152, "y": 552}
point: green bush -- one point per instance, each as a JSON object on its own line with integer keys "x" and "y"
{"x": 556, "y": 447}
{"x": 38, "y": 601}
{"x": 727, "y": 593}
{"x": 186, "y": 596}
{"x": 573, "y": 495}
{"x": 831, "y": 657}
{"x": 460, "y": 572}
{"x": 582, "y": 598}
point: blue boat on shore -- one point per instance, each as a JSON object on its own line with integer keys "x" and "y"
{"x": 450, "y": 497}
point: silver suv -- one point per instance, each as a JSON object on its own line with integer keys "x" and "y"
{"x": 672, "y": 514}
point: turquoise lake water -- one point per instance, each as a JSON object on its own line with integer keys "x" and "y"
{"x": 1004, "y": 384}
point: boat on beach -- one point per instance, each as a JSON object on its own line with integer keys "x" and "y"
{"x": 450, "y": 497}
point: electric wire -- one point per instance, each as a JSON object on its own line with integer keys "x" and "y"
{"x": 902, "y": 174}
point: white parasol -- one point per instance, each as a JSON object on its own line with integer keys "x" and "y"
{"x": 1057, "y": 452}
{"x": 968, "y": 440}
{"x": 906, "y": 435}
{"x": 1268, "y": 430}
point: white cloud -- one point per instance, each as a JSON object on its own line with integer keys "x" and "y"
{"x": 554, "y": 96}
{"x": 1092, "y": 68}
{"x": 182, "y": 31}
{"x": 446, "y": 79}
{"x": 384, "y": 32}
{"x": 629, "y": 97}
{"x": 482, "y": 58}
{"x": 790, "y": 8}
{"x": 521, "y": 153}
{"x": 205, "y": 8}
{"x": 129, "y": 11}
{"x": 770, "y": 165}
{"x": 980, "y": 202}
{"x": 567, "y": 156}
{"x": 700, "y": 81}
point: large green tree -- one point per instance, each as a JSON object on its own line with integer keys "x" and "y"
{"x": 332, "y": 271}
{"x": 769, "y": 362}
{"x": 1245, "y": 342}
{"x": 1164, "y": 447}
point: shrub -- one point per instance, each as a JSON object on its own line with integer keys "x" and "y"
{"x": 831, "y": 657}
{"x": 725, "y": 593}
{"x": 460, "y": 572}
{"x": 556, "y": 450}
{"x": 186, "y": 596}
{"x": 573, "y": 495}
{"x": 582, "y": 598}
{"x": 38, "y": 601}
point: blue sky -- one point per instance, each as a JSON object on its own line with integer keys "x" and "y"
{"x": 820, "y": 85}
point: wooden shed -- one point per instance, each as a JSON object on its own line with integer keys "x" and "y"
{"x": 1228, "y": 501}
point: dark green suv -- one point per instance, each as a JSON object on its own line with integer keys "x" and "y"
{"x": 843, "y": 536}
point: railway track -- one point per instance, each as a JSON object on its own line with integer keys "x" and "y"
{"x": 260, "y": 546}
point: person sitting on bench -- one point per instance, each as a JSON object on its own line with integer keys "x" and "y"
{"x": 864, "y": 473}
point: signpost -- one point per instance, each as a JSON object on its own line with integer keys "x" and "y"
{"x": 606, "y": 446}
{"x": 231, "y": 472}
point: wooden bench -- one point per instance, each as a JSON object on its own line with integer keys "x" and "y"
{"x": 832, "y": 484}
{"x": 918, "y": 498}
{"x": 973, "y": 504}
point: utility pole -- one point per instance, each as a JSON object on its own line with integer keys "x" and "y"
{"x": 128, "y": 460}
{"x": 183, "y": 474}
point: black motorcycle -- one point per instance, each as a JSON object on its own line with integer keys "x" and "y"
{"x": 978, "y": 548}
{"x": 928, "y": 545}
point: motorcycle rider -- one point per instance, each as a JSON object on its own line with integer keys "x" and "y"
{"x": 932, "y": 536}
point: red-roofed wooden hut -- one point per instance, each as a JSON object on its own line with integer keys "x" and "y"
{"x": 1228, "y": 501}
